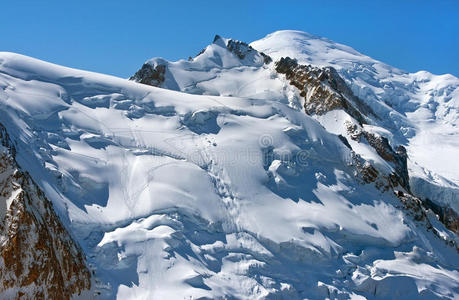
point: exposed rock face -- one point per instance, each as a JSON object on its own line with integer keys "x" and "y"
{"x": 446, "y": 215}
{"x": 450, "y": 218}
{"x": 38, "y": 258}
{"x": 323, "y": 89}
{"x": 366, "y": 171}
{"x": 418, "y": 210}
{"x": 155, "y": 72}
{"x": 242, "y": 49}
{"x": 151, "y": 75}
{"x": 397, "y": 158}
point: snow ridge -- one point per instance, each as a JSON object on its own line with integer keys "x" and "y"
{"x": 219, "y": 185}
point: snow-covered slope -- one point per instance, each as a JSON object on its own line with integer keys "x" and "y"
{"x": 224, "y": 68}
{"x": 226, "y": 191}
{"x": 419, "y": 109}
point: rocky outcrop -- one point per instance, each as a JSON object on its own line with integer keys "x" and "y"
{"x": 150, "y": 74}
{"x": 445, "y": 214}
{"x": 399, "y": 178}
{"x": 397, "y": 158}
{"x": 242, "y": 49}
{"x": 157, "y": 72}
{"x": 323, "y": 89}
{"x": 366, "y": 171}
{"x": 417, "y": 209}
{"x": 38, "y": 258}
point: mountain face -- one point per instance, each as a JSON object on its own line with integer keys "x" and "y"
{"x": 420, "y": 110}
{"x": 292, "y": 167}
{"x": 39, "y": 260}
{"x": 416, "y": 111}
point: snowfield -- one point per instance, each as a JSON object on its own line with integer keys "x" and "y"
{"x": 219, "y": 186}
{"x": 421, "y": 110}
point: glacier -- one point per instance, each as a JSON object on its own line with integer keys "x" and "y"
{"x": 215, "y": 184}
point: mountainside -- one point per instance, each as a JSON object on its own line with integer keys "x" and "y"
{"x": 39, "y": 260}
{"x": 290, "y": 168}
{"x": 420, "y": 110}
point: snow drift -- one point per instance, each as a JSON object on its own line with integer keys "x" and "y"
{"x": 217, "y": 184}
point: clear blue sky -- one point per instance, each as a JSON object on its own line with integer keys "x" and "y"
{"x": 116, "y": 37}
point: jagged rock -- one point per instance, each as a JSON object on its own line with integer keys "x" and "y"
{"x": 241, "y": 49}
{"x": 445, "y": 214}
{"x": 369, "y": 173}
{"x": 366, "y": 171}
{"x": 38, "y": 258}
{"x": 450, "y": 218}
{"x": 418, "y": 209}
{"x": 323, "y": 89}
{"x": 151, "y": 75}
{"x": 399, "y": 177}
{"x": 397, "y": 158}
{"x": 160, "y": 73}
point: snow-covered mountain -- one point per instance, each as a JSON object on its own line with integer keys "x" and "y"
{"x": 39, "y": 259}
{"x": 419, "y": 109}
{"x": 243, "y": 174}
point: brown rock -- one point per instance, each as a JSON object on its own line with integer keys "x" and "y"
{"x": 38, "y": 258}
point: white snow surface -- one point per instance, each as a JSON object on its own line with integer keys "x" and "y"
{"x": 235, "y": 193}
{"x": 420, "y": 109}
{"x": 219, "y": 72}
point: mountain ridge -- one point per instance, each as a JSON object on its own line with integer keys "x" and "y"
{"x": 225, "y": 187}
{"x": 354, "y": 67}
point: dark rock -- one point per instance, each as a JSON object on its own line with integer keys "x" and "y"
{"x": 151, "y": 75}
{"x": 398, "y": 158}
{"x": 323, "y": 89}
{"x": 345, "y": 142}
{"x": 417, "y": 208}
{"x": 445, "y": 214}
{"x": 242, "y": 49}
{"x": 216, "y": 38}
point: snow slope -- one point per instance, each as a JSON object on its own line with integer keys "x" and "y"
{"x": 175, "y": 195}
{"x": 421, "y": 110}
{"x": 218, "y": 70}
{"x": 417, "y": 110}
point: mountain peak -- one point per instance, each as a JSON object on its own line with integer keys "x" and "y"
{"x": 216, "y": 38}
{"x": 238, "y": 178}
{"x": 220, "y": 41}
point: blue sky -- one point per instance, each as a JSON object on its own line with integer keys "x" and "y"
{"x": 116, "y": 37}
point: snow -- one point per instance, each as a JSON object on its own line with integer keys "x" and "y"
{"x": 219, "y": 72}
{"x": 229, "y": 189}
{"x": 420, "y": 109}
